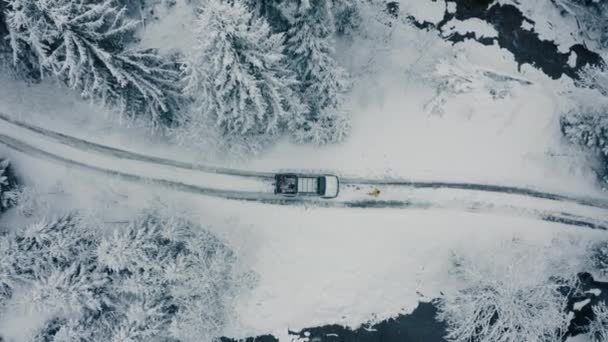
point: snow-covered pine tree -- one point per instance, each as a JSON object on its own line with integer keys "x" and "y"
{"x": 282, "y": 14}
{"x": 279, "y": 14}
{"x": 156, "y": 279}
{"x": 5, "y": 50}
{"x": 84, "y": 43}
{"x": 52, "y": 272}
{"x": 347, "y": 17}
{"x": 172, "y": 279}
{"x": 323, "y": 81}
{"x": 238, "y": 75}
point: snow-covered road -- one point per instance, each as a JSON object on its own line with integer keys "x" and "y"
{"x": 257, "y": 186}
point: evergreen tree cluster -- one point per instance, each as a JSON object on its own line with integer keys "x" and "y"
{"x": 260, "y": 68}
{"x": 86, "y": 44}
{"x": 154, "y": 280}
{"x": 265, "y": 67}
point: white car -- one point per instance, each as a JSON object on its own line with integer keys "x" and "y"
{"x": 292, "y": 185}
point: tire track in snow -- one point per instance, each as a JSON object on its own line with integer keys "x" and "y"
{"x": 511, "y": 190}
{"x": 355, "y": 181}
{"x": 267, "y": 198}
{"x": 123, "y": 154}
{"x": 35, "y": 152}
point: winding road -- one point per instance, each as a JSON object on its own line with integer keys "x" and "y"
{"x": 243, "y": 185}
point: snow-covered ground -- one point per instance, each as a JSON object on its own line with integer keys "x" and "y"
{"x": 355, "y": 192}
{"x": 330, "y": 265}
{"x": 313, "y": 265}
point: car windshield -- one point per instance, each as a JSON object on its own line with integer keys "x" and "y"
{"x": 321, "y": 188}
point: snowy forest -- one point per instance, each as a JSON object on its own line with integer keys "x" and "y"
{"x": 262, "y": 72}
{"x": 259, "y": 69}
{"x": 155, "y": 278}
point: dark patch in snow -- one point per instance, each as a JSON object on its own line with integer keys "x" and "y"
{"x": 526, "y": 46}
{"x": 420, "y": 325}
{"x": 262, "y": 338}
{"x": 583, "y": 316}
{"x": 573, "y": 221}
{"x": 8, "y": 184}
{"x": 392, "y": 8}
{"x": 458, "y": 37}
{"x": 3, "y": 29}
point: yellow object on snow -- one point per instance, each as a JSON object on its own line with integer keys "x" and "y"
{"x": 375, "y": 192}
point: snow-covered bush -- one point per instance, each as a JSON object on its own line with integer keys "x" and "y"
{"x": 238, "y": 75}
{"x": 585, "y": 121}
{"x": 599, "y": 258}
{"x": 511, "y": 293}
{"x": 323, "y": 82}
{"x": 85, "y": 44}
{"x": 594, "y": 77}
{"x": 598, "y": 326}
{"x": 456, "y": 75}
{"x": 587, "y": 127}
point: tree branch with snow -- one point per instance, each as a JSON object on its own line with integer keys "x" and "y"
{"x": 512, "y": 293}
{"x": 85, "y": 44}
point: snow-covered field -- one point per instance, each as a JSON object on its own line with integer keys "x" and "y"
{"x": 315, "y": 265}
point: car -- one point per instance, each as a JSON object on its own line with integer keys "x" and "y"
{"x": 293, "y": 185}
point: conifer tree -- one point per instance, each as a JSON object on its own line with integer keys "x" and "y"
{"x": 238, "y": 74}
{"x": 84, "y": 43}
{"x": 323, "y": 81}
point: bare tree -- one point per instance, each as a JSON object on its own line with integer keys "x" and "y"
{"x": 511, "y": 293}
